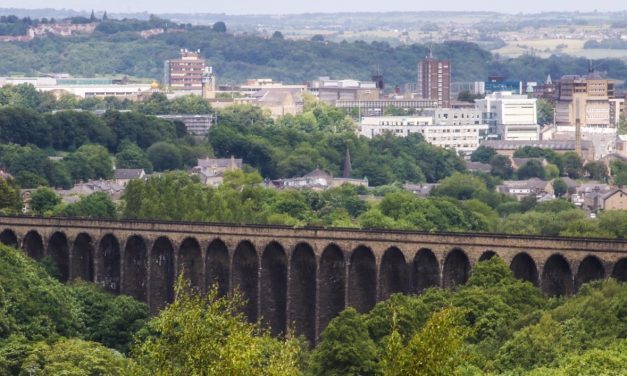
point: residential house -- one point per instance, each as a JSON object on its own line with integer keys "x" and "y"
{"x": 111, "y": 187}
{"x": 421, "y": 189}
{"x": 615, "y": 199}
{"x": 519, "y": 162}
{"x": 317, "y": 180}
{"x": 211, "y": 170}
{"x": 478, "y": 167}
{"x": 520, "y": 189}
{"x": 588, "y": 196}
{"x": 123, "y": 175}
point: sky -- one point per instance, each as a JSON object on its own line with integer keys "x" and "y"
{"x": 294, "y": 6}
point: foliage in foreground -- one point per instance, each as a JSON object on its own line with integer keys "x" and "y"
{"x": 45, "y": 325}
{"x": 208, "y": 335}
{"x": 493, "y": 325}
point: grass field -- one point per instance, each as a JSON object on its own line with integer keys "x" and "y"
{"x": 547, "y": 47}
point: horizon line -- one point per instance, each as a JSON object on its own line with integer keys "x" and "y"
{"x": 321, "y": 12}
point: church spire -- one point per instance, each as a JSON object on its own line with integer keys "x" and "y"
{"x": 348, "y": 168}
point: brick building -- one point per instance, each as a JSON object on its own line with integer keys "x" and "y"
{"x": 434, "y": 80}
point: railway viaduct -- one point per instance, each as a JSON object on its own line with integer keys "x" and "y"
{"x": 298, "y": 276}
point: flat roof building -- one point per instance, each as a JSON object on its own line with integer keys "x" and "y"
{"x": 331, "y": 91}
{"x": 83, "y": 87}
{"x": 587, "y": 99}
{"x": 462, "y": 136}
{"x": 186, "y": 72}
{"x": 434, "y": 78}
{"x": 509, "y": 116}
{"x": 358, "y": 108}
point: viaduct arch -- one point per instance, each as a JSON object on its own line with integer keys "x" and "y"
{"x": 298, "y": 278}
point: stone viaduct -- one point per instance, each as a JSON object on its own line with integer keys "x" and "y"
{"x": 298, "y": 276}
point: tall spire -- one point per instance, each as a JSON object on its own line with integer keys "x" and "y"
{"x": 348, "y": 168}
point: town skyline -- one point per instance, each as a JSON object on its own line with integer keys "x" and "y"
{"x": 248, "y": 7}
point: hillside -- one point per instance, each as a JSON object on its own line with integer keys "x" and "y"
{"x": 236, "y": 58}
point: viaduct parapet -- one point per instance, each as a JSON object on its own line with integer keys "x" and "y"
{"x": 299, "y": 276}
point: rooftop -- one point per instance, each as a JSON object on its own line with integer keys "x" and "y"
{"x": 220, "y": 163}
{"x": 128, "y": 173}
{"x": 478, "y": 166}
{"x": 545, "y": 144}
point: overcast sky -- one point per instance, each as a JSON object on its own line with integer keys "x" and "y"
{"x": 294, "y": 6}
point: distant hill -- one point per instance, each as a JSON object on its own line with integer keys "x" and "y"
{"x": 238, "y": 57}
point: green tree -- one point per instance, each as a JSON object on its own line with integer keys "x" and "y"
{"x": 96, "y": 205}
{"x": 551, "y": 171}
{"x": 532, "y": 169}
{"x": 374, "y": 219}
{"x": 43, "y": 200}
{"x": 345, "y": 348}
{"x": 219, "y": 27}
{"x": 72, "y": 129}
{"x": 10, "y": 200}
{"x": 189, "y": 104}
{"x": 573, "y": 166}
{"x": 559, "y": 187}
{"x": 15, "y": 159}
{"x": 614, "y": 221}
{"x": 132, "y": 156}
{"x": 73, "y": 357}
{"x": 554, "y": 206}
{"x": 467, "y": 96}
{"x": 23, "y": 126}
{"x": 199, "y": 334}
{"x": 596, "y": 170}
{"x": 90, "y": 162}
{"x": 459, "y": 186}
{"x": 112, "y": 320}
{"x": 537, "y": 345}
{"x": 501, "y": 166}
{"x": 28, "y": 180}
{"x": 483, "y": 154}
{"x": 34, "y": 305}
{"x": 620, "y": 179}
{"x": 58, "y": 175}
{"x": 605, "y": 361}
{"x": 544, "y": 111}
{"x": 164, "y": 156}
{"x": 443, "y": 331}
{"x": 622, "y": 125}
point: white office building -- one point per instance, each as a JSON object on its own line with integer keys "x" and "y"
{"x": 82, "y": 87}
{"x": 509, "y": 116}
{"x": 462, "y": 136}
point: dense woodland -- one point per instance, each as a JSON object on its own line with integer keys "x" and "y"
{"x": 116, "y": 48}
{"x": 494, "y": 325}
